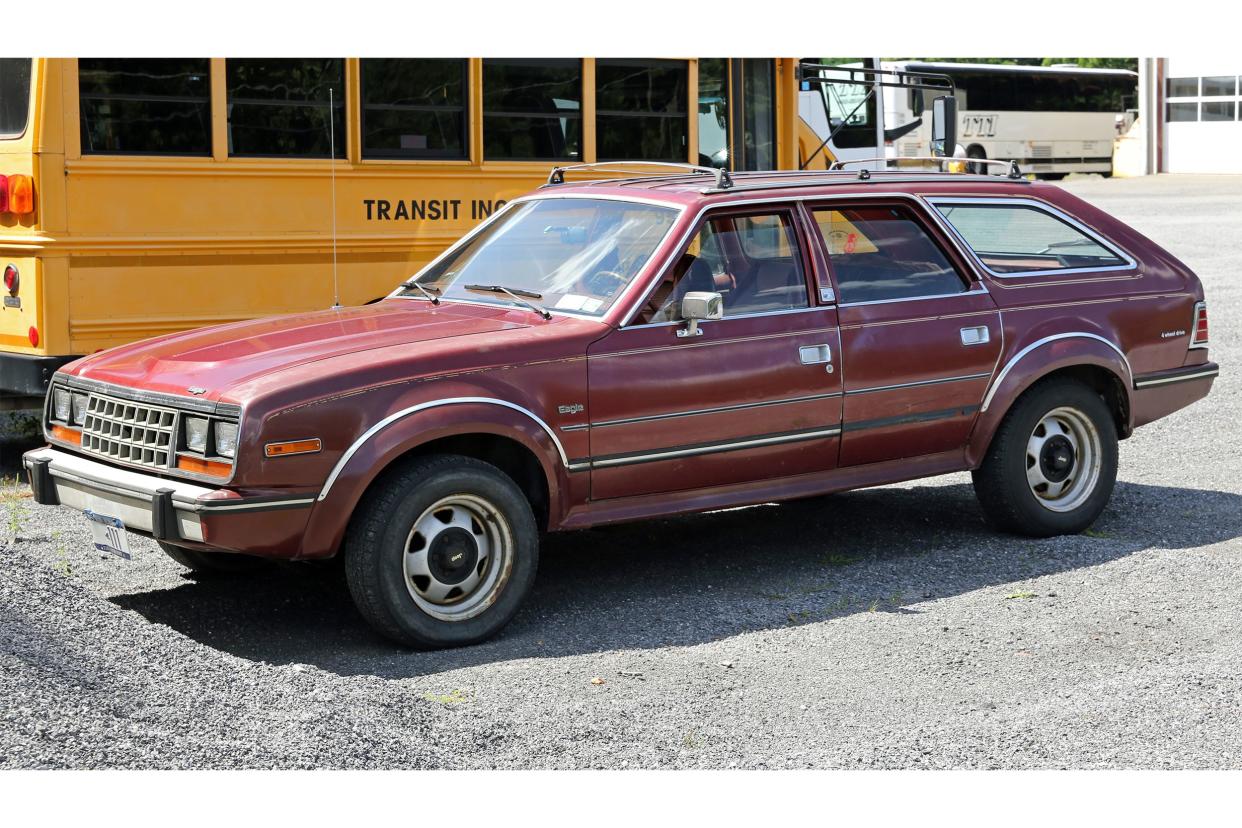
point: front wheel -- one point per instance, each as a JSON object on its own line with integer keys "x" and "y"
{"x": 1052, "y": 464}
{"x": 442, "y": 552}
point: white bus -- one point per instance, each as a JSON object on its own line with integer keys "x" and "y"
{"x": 1052, "y": 120}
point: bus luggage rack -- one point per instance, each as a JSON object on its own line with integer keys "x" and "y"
{"x": 723, "y": 180}
{"x": 1011, "y": 167}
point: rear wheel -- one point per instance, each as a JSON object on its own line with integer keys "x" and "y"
{"x": 201, "y": 561}
{"x": 1053, "y": 462}
{"x": 442, "y": 552}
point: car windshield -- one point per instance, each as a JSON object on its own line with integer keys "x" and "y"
{"x": 568, "y": 254}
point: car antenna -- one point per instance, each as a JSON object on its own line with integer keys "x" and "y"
{"x": 336, "y": 285}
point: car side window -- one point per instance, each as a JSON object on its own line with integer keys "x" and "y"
{"x": 881, "y": 253}
{"x": 1020, "y": 238}
{"x": 753, "y": 262}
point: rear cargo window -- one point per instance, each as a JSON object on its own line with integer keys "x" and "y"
{"x": 1024, "y": 238}
{"x": 14, "y": 96}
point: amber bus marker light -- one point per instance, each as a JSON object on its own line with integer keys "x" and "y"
{"x": 293, "y": 447}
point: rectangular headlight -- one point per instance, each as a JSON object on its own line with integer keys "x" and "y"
{"x": 226, "y": 439}
{"x": 62, "y": 404}
{"x": 196, "y": 434}
{"x": 79, "y": 408}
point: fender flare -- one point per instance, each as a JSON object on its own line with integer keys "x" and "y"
{"x": 1037, "y": 360}
{"x": 404, "y": 430}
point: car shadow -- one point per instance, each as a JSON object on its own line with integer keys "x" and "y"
{"x": 698, "y": 578}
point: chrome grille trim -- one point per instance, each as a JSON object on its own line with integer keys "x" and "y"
{"x": 130, "y": 431}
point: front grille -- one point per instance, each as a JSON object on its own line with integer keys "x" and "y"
{"x": 129, "y": 431}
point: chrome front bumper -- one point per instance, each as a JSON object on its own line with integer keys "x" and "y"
{"x": 166, "y": 509}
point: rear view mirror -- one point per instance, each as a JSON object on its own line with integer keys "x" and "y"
{"x": 944, "y": 126}
{"x": 697, "y": 305}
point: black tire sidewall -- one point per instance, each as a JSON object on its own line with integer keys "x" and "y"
{"x": 416, "y": 627}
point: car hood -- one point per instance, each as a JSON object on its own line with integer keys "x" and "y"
{"x": 218, "y": 358}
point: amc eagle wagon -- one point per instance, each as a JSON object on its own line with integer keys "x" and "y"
{"x": 619, "y": 349}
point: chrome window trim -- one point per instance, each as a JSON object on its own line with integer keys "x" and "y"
{"x": 704, "y": 323}
{"x": 678, "y": 208}
{"x": 937, "y": 201}
{"x": 414, "y": 409}
{"x": 987, "y": 399}
{"x": 971, "y": 292}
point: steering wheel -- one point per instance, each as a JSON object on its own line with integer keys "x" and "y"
{"x": 604, "y": 283}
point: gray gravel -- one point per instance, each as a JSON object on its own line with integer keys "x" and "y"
{"x": 884, "y": 628}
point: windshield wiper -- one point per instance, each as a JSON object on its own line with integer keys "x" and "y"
{"x": 431, "y": 293}
{"x": 516, "y": 295}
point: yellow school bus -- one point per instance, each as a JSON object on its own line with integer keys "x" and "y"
{"x": 146, "y": 196}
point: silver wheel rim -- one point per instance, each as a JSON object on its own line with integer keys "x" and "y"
{"x": 1063, "y": 459}
{"x": 457, "y": 557}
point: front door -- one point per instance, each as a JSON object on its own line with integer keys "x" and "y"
{"x": 755, "y": 395}
{"x": 919, "y": 336}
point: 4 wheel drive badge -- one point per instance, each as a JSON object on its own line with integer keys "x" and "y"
{"x": 196, "y": 390}
{"x": 576, "y": 408}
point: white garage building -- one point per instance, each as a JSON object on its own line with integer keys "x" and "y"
{"x": 1191, "y": 112}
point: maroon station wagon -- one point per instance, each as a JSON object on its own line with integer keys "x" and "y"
{"x": 620, "y": 349}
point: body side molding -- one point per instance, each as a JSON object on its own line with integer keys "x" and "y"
{"x": 1004, "y": 372}
{"x": 414, "y": 409}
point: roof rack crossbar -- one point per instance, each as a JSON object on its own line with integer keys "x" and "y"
{"x": 723, "y": 180}
{"x": 1011, "y": 167}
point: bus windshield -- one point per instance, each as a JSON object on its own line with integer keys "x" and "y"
{"x": 14, "y": 96}
{"x": 568, "y": 254}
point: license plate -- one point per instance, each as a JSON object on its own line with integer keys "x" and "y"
{"x": 109, "y": 534}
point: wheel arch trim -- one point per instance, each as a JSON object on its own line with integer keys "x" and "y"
{"x": 1013, "y": 361}
{"x": 424, "y": 406}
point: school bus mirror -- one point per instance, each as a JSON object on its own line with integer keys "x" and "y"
{"x": 944, "y": 125}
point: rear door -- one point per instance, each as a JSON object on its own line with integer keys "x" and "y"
{"x": 754, "y": 396}
{"x": 920, "y": 335}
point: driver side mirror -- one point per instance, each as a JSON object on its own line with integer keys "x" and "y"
{"x": 944, "y": 125}
{"x": 698, "y": 305}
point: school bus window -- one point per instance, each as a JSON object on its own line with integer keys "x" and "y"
{"x": 532, "y": 109}
{"x": 640, "y": 110}
{"x": 279, "y": 106}
{"x": 413, "y": 108}
{"x": 758, "y": 115}
{"x": 713, "y": 112}
{"x": 145, "y": 107}
{"x": 14, "y": 96}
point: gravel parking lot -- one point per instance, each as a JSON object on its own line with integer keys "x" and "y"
{"x": 881, "y": 628}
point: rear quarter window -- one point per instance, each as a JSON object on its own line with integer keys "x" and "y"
{"x": 1025, "y": 238}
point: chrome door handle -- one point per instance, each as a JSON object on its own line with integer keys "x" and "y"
{"x": 814, "y": 354}
{"x": 978, "y": 335}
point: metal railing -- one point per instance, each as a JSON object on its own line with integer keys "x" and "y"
{"x": 723, "y": 180}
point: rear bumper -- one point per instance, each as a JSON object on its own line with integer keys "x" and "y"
{"x": 22, "y": 375}
{"x": 1159, "y": 394}
{"x": 171, "y": 510}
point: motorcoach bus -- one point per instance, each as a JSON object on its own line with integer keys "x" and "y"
{"x": 1052, "y": 120}
{"x": 146, "y": 196}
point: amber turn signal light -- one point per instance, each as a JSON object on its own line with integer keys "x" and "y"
{"x": 67, "y": 435}
{"x": 293, "y": 447}
{"x": 212, "y": 467}
{"x": 20, "y": 194}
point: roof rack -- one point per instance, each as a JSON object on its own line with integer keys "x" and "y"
{"x": 723, "y": 180}
{"x": 1012, "y": 170}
